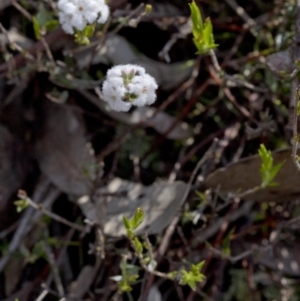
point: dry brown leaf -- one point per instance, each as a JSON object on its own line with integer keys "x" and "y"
{"x": 244, "y": 175}
{"x": 117, "y": 50}
{"x": 4, "y": 3}
{"x": 160, "y": 202}
{"x": 281, "y": 61}
{"x": 15, "y": 37}
{"x": 161, "y": 121}
{"x": 14, "y": 267}
{"x": 154, "y": 294}
{"x": 83, "y": 282}
{"x": 284, "y": 257}
{"x": 22, "y": 294}
{"x": 62, "y": 151}
{"x": 12, "y": 165}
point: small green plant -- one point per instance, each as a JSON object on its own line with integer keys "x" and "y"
{"x": 267, "y": 170}
{"x": 132, "y": 224}
{"x": 193, "y": 276}
{"x": 43, "y": 22}
{"x": 202, "y": 32}
{"x": 143, "y": 250}
{"x": 128, "y": 277}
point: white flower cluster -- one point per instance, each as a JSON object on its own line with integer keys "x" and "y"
{"x": 128, "y": 85}
{"x": 79, "y": 13}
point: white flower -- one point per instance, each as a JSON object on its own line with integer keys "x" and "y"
{"x": 128, "y": 85}
{"x": 77, "y": 14}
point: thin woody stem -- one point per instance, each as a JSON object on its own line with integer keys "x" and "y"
{"x": 295, "y": 129}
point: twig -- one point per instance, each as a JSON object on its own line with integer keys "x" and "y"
{"x": 49, "y": 53}
{"x": 23, "y": 11}
{"x": 20, "y": 59}
{"x": 164, "y": 244}
{"x": 295, "y": 83}
{"x": 230, "y": 96}
{"x": 39, "y": 207}
{"x": 171, "y": 228}
{"x": 295, "y": 129}
{"x": 145, "y": 267}
{"x": 216, "y": 225}
{"x": 101, "y": 242}
{"x": 28, "y": 220}
{"x": 127, "y": 18}
{"x": 42, "y": 295}
{"x": 232, "y": 78}
{"x": 216, "y": 62}
{"x": 60, "y": 261}
{"x": 99, "y": 44}
{"x": 8, "y": 230}
{"x": 15, "y": 45}
{"x": 184, "y": 30}
{"x": 250, "y": 23}
{"x": 55, "y": 271}
{"x": 232, "y": 259}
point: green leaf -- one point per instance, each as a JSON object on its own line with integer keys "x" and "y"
{"x": 126, "y": 223}
{"x": 298, "y": 108}
{"x": 198, "y": 267}
{"x": 196, "y": 19}
{"x": 43, "y": 15}
{"x": 80, "y": 38}
{"x": 203, "y": 33}
{"x": 137, "y": 219}
{"x": 173, "y": 275}
{"x": 188, "y": 279}
{"x": 138, "y": 245}
{"x": 192, "y": 277}
{"x": 51, "y": 25}
{"x": 123, "y": 287}
{"x": 36, "y": 28}
{"x": 89, "y": 31}
{"x": 129, "y": 276}
{"x": 267, "y": 170}
{"x": 132, "y": 225}
{"x": 226, "y": 244}
{"x": 21, "y": 205}
{"x": 43, "y": 21}
{"x": 274, "y": 170}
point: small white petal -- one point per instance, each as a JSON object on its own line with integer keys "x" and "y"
{"x": 65, "y": 21}
{"x": 115, "y": 71}
{"x": 61, "y": 4}
{"x": 140, "y": 101}
{"x": 104, "y": 14}
{"x": 91, "y": 17}
{"x": 78, "y": 22}
{"x": 119, "y": 106}
{"x": 67, "y": 27}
